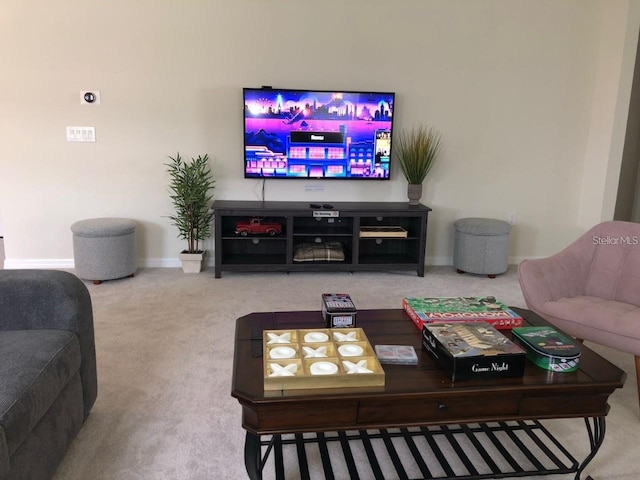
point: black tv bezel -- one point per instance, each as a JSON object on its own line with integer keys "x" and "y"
{"x": 319, "y": 90}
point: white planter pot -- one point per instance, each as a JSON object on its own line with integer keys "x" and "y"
{"x": 192, "y": 262}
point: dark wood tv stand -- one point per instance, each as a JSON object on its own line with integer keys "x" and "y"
{"x": 308, "y": 223}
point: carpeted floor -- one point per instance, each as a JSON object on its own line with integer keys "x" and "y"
{"x": 165, "y": 346}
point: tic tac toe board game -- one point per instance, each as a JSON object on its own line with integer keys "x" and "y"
{"x": 319, "y": 358}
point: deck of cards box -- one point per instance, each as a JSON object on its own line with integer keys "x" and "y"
{"x": 473, "y": 351}
{"x": 338, "y": 310}
{"x": 319, "y": 358}
{"x": 548, "y": 348}
{"x": 397, "y": 354}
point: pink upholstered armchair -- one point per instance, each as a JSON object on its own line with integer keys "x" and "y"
{"x": 591, "y": 289}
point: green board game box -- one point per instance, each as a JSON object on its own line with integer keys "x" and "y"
{"x": 548, "y": 348}
{"x": 424, "y": 310}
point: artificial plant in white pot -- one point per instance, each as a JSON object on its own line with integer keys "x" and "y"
{"x": 191, "y": 186}
{"x": 416, "y": 150}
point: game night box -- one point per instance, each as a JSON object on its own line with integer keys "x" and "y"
{"x": 473, "y": 351}
{"x": 424, "y": 310}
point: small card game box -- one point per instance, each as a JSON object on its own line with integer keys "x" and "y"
{"x": 397, "y": 354}
{"x": 338, "y": 310}
{"x": 473, "y": 351}
{"x": 548, "y": 348}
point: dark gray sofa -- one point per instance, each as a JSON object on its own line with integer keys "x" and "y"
{"x": 48, "y": 381}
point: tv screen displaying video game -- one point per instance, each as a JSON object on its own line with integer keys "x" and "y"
{"x": 317, "y": 134}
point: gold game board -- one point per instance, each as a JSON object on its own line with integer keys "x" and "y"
{"x": 319, "y": 358}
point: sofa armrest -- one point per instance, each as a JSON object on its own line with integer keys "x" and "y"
{"x": 52, "y": 299}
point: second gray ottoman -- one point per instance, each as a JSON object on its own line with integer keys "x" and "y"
{"x": 481, "y": 245}
{"x": 104, "y": 248}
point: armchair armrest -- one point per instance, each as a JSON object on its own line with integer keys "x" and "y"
{"x": 56, "y": 300}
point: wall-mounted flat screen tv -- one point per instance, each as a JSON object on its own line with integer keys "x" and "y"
{"x": 317, "y": 134}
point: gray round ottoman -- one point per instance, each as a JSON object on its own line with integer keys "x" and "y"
{"x": 104, "y": 248}
{"x": 481, "y": 245}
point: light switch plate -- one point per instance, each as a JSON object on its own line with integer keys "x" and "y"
{"x": 81, "y": 134}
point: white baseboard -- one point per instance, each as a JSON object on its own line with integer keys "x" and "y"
{"x": 518, "y": 260}
{"x": 28, "y": 263}
{"x": 444, "y": 261}
{"x": 169, "y": 262}
{"x": 159, "y": 262}
{"x": 438, "y": 261}
{"x": 67, "y": 263}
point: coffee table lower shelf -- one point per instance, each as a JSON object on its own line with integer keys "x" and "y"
{"x": 474, "y": 451}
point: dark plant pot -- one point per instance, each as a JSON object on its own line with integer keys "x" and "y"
{"x": 414, "y": 192}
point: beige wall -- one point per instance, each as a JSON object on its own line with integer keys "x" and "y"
{"x": 529, "y": 95}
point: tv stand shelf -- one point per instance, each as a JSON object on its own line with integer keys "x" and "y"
{"x": 336, "y": 227}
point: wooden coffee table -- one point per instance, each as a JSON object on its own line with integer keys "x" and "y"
{"x": 492, "y": 427}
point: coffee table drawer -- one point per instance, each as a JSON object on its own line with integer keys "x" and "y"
{"x": 579, "y": 405}
{"x": 302, "y": 416}
{"x": 416, "y": 411}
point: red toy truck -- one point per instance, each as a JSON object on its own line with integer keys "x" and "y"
{"x": 257, "y": 226}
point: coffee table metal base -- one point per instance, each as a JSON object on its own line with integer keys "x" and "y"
{"x": 474, "y": 451}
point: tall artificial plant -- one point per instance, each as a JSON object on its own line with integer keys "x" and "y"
{"x": 191, "y": 186}
{"x": 416, "y": 151}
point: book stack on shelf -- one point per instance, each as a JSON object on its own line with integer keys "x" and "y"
{"x": 427, "y": 310}
{"x": 383, "y": 232}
